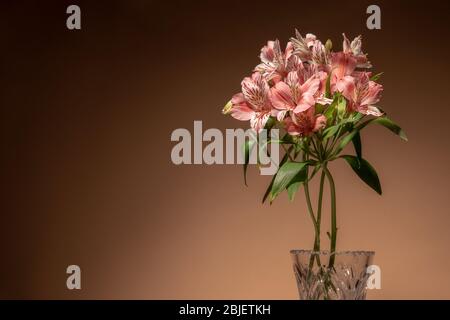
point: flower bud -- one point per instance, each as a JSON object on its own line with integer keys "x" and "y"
{"x": 328, "y": 45}
{"x": 227, "y": 108}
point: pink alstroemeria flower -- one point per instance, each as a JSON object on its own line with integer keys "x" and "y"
{"x": 303, "y": 46}
{"x": 253, "y": 103}
{"x": 319, "y": 54}
{"x": 275, "y": 64}
{"x": 362, "y": 93}
{"x": 306, "y": 71}
{"x": 354, "y": 48}
{"x": 305, "y": 123}
{"x": 342, "y": 65}
{"x": 293, "y": 95}
{"x": 310, "y": 50}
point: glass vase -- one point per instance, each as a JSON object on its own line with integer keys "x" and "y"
{"x": 324, "y": 276}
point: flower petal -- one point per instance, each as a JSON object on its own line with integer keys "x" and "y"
{"x": 374, "y": 111}
{"x": 302, "y": 107}
{"x": 281, "y": 114}
{"x": 310, "y": 86}
{"x": 281, "y": 96}
{"x": 342, "y": 64}
{"x": 346, "y": 44}
{"x": 242, "y": 112}
{"x": 291, "y": 128}
{"x": 258, "y": 121}
{"x": 320, "y": 123}
{"x": 308, "y": 98}
{"x": 347, "y": 87}
{"x": 255, "y": 91}
{"x": 372, "y": 93}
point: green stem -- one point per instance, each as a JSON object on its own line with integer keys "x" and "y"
{"x": 288, "y": 152}
{"x": 317, "y": 150}
{"x": 319, "y": 205}
{"x": 316, "y": 246}
{"x": 318, "y": 222}
{"x": 335, "y": 139}
{"x": 333, "y": 217}
{"x": 312, "y": 152}
{"x": 311, "y": 213}
{"x": 310, "y": 210}
{"x": 326, "y": 147}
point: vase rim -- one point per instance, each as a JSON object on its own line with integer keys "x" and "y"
{"x": 338, "y": 253}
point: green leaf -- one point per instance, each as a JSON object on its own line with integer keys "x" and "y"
{"x": 391, "y": 125}
{"x": 285, "y": 175}
{"x": 330, "y": 131}
{"x": 319, "y": 108}
{"x": 269, "y": 188}
{"x": 347, "y": 126}
{"x": 341, "y": 107}
{"x": 357, "y": 144}
{"x": 376, "y": 77}
{"x": 330, "y": 111}
{"x": 365, "y": 171}
{"x": 296, "y": 182}
{"x": 292, "y": 190}
{"x": 384, "y": 121}
{"x": 248, "y": 146}
{"x": 346, "y": 140}
{"x": 387, "y": 123}
{"x": 356, "y": 117}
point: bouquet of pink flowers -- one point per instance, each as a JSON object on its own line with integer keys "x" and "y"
{"x": 322, "y": 100}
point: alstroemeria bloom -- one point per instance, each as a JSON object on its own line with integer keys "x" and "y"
{"x": 303, "y": 46}
{"x": 306, "y": 71}
{"x": 319, "y": 54}
{"x": 354, "y": 48}
{"x": 293, "y": 95}
{"x": 362, "y": 93}
{"x": 253, "y": 103}
{"x": 342, "y": 65}
{"x": 305, "y": 123}
{"x": 275, "y": 64}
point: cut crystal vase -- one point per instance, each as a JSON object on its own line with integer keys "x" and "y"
{"x": 324, "y": 276}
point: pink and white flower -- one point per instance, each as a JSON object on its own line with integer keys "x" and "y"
{"x": 293, "y": 95}
{"x": 253, "y": 103}
{"x": 342, "y": 65}
{"x": 288, "y": 83}
{"x": 276, "y": 64}
{"x": 305, "y": 123}
{"x": 319, "y": 54}
{"x": 303, "y": 46}
{"x": 362, "y": 93}
{"x": 306, "y": 71}
{"x": 354, "y": 48}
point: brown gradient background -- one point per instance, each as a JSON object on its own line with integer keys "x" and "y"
{"x": 86, "y": 170}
